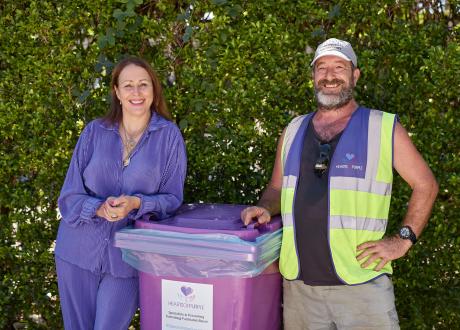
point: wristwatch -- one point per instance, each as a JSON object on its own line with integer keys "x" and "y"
{"x": 405, "y": 232}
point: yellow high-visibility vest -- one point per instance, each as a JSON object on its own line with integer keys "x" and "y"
{"x": 360, "y": 183}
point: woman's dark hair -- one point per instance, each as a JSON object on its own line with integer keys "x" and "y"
{"x": 115, "y": 114}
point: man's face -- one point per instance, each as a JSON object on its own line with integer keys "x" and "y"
{"x": 334, "y": 81}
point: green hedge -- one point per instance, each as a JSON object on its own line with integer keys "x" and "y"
{"x": 233, "y": 80}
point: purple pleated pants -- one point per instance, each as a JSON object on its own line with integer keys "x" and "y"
{"x": 95, "y": 301}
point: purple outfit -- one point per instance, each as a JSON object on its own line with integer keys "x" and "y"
{"x": 156, "y": 175}
{"x": 95, "y": 301}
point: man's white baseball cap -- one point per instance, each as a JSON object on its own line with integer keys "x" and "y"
{"x": 338, "y": 48}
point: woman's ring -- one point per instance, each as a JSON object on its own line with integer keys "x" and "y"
{"x": 114, "y": 215}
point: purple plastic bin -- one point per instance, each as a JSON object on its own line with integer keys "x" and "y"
{"x": 221, "y": 303}
{"x": 238, "y": 303}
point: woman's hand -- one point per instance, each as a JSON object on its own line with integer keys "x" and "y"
{"x": 117, "y": 208}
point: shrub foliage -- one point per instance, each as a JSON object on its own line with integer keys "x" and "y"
{"x": 234, "y": 73}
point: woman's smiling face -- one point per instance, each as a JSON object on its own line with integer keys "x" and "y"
{"x": 135, "y": 90}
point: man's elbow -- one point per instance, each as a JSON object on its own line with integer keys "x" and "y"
{"x": 430, "y": 186}
{"x": 434, "y": 188}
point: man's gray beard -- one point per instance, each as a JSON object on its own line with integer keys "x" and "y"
{"x": 333, "y": 101}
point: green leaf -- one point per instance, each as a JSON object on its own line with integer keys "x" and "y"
{"x": 335, "y": 11}
{"x": 219, "y": 2}
{"x": 188, "y": 34}
{"x": 102, "y": 41}
{"x": 234, "y": 11}
{"x": 183, "y": 124}
{"x": 119, "y": 14}
{"x": 83, "y": 96}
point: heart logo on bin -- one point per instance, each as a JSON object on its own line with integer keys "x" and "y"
{"x": 186, "y": 290}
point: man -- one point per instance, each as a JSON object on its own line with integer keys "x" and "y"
{"x": 331, "y": 182}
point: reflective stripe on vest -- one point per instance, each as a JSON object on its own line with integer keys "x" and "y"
{"x": 360, "y": 182}
{"x": 288, "y": 262}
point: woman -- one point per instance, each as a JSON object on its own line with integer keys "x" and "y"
{"x": 127, "y": 164}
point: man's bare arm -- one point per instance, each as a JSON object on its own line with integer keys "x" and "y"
{"x": 415, "y": 171}
{"x": 270, "y": 202}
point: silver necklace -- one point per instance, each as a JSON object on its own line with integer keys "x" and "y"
{"x": 130, "y": 142}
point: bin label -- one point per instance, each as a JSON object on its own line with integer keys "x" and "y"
{"x": 186, "y": 306}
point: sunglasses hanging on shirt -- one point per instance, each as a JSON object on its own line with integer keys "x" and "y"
{"x": 322, "y": 163}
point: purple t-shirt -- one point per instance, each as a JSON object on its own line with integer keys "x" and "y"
{"x": 155, "y": 174}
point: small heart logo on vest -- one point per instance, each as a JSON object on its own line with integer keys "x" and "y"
{"x": 350, "y": 156}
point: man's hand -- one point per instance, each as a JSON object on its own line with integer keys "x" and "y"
{"x": 261, "y": 214}
{"x": 386, "y": 249}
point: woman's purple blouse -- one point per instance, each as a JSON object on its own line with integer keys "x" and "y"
{"x": 155, "y": 174}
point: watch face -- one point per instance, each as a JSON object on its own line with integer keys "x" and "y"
{"x": 404, "y": 232}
